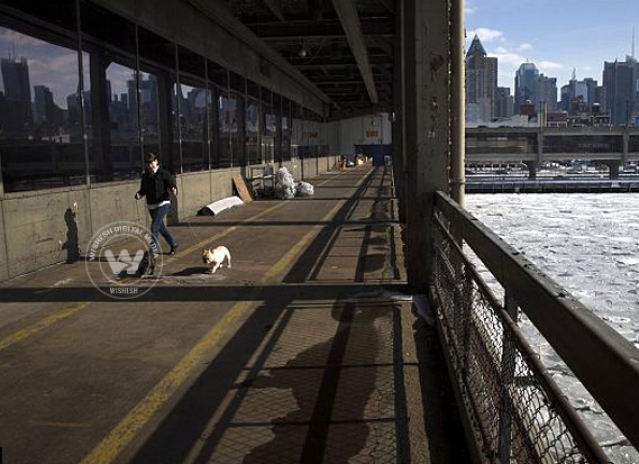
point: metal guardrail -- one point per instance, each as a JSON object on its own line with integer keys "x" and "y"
{"x": 567, "y": 185}
{"x": 513, "y": 409}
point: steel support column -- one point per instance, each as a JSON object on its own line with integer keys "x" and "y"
{"x": 426, "y": 52}
{"x": 397, "y": 116}
{"x": 458, "y": 102}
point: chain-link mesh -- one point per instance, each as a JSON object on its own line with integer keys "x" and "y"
{"x": 514, "y": 414}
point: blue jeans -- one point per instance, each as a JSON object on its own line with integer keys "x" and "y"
{"x": 158, "y": 227}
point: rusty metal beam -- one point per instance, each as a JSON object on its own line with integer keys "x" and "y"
{"x": 347, "y": 13}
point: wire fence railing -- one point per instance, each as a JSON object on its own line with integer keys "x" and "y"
{"x": 514, "y": 411}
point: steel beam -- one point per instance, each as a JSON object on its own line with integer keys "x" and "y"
{"x": 347, "y": 13}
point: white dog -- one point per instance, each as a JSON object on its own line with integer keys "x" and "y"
{"x": 215, "y": 256}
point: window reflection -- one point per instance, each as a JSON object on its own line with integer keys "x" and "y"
{"x": 236, "y": 111}
{"x": 213, "y": 128}
{"x": 286, "y": 130}
{"x": 268, "y": 128}
{"x": 193, "y": 121}
{"x": 252, "y": 131}
{"x": 40, "y": 126}
{"x": 223, "y": 111}
{"x": 150, "y": 114}
{"x": 123, "y": 113}
{"x": 277, "y": 109}
{"x": 296, "y": 130}
{"x": 123, "y": 160}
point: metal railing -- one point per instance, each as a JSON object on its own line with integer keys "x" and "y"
{"x": 513, "y": 410}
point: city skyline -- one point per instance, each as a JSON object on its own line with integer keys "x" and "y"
{"x": 556, "y": 36}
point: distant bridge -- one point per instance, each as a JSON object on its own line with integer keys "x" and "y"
{"x": 614, "y": 146}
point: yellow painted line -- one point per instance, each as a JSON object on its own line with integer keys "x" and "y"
{"x": 128, "y": 428}
{"x": 208, "y": 240}
{"x": 198, "y": 246}
{"x": 43, "y": 324}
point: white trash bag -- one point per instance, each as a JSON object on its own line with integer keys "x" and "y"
{"x": 284, "y": 184}
{"x": 304, "y": 189}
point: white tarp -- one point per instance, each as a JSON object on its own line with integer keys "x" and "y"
{"x": 217, "y": 207}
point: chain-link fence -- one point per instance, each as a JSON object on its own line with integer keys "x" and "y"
{"x": 514, "y": 409}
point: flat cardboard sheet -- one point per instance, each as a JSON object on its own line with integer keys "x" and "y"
{"x": 242, "y": 189}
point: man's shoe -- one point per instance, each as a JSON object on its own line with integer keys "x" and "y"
{"x": 173, "y": 248}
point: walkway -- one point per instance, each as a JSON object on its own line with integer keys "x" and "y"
{"x": 305, "y": 351}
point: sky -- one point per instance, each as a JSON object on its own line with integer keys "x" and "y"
{"x": 556, "y": 35}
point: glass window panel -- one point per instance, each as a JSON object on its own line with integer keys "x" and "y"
{"x": 175, "y": 160}
{"x": 223, "y": 111}
{"x": 236, "y": 112}
{"x": 277, "y": 109}
{"x": 193, "y": 129}
{"x": 286, "y": 130}
{"x": 41, "y": 144}
{"x": 123, "y": 156}
{"x": 213, "y": 127}
{"x": 150, "y": 127}
{"x": 268, "y": 127}
{"x": 252, "y": 131}
{"x": 296, "y": 130}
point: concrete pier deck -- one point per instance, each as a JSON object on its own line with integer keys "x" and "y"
{"x": 306, "y": 350}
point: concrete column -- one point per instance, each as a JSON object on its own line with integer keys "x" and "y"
{"x": 625, "y": 145}
{"x": 614, "y": 168}
{"x": 532, "y": 169}
{"x": 540, "y": 147}
{"x": 426, "y": 55}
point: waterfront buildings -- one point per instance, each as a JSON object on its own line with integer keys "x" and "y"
{"x": 481, "y": 83}
{"x": 620, "y": 88}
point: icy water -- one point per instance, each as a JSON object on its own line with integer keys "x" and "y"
{"x": 589, "y": 244}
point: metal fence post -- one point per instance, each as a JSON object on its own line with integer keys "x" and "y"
{"x": 507, "y": 376}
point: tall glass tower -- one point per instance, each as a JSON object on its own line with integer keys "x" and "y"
{"x": 17, "y": 92}
{"x": 620, "y": 82}
{"x": 481, "y": 83}
{"x": 526, "y": 86}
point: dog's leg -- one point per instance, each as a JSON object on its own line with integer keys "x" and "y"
{"x": 228, "y": 261}
{"x": 214, "y": 268}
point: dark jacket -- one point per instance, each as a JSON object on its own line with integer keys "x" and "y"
{"x": 155, "y": 186}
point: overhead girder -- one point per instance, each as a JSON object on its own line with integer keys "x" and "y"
{"x": 348, "y": 52}
{"x": 324, "y": 28}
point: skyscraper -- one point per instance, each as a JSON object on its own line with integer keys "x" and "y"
{"x": 17, "y": 93}
{"x": 547, "y": 94}
{"x": 43, "y": 106}
{"x": 481, "y": 83}
{"x": 504, "y": 103}
{"x": 620, "y": 89}
{"x": 526, "y": 86}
